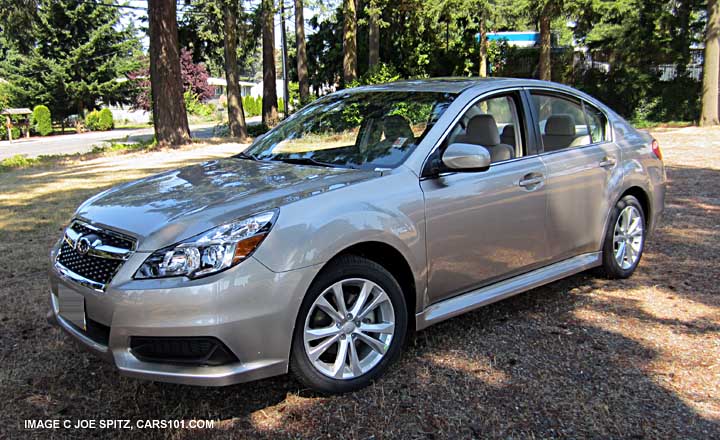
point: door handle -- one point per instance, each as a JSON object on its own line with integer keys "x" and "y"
{"x": 608, "y": 162}
{"x": 531, "y": 180}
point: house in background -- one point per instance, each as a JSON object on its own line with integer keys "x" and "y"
{"x": 247, "y": 88}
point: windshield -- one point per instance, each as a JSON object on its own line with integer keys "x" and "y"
{"x": 356, "y": 130}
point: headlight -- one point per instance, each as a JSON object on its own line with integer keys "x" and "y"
{"x": 210, "y": 252}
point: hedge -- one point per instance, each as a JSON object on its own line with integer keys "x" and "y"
{"x": 99, "y": 120}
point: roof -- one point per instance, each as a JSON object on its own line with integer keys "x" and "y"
{"x": 223, "y": 82}
{"x": 447, "y": 85}
{"x": 16, "y": 111}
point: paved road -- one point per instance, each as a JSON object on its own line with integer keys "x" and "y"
{"x": 84, "y": 142}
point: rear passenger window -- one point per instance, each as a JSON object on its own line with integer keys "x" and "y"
{"x": 561, "y": 121}
{"x": 597, "y": 123}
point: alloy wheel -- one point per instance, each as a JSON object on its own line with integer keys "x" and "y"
{"x": 628, "y": 237}
{"x": 349, "y": 328}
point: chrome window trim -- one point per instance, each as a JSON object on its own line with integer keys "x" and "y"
{"x": 583, "y": 100}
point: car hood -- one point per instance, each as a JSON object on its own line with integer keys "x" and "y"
{"x": 166, "y": 208}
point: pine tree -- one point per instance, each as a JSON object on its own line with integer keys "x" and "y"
{"x": 76, "y": 59}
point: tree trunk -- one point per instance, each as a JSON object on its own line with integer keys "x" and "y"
{"x": 269, "y": 100}
{"x": 236, "y": 116}
{"x": 168, "y": 105}
{"x": 483, "y": 47}
{"x": 711, "y": 67}
{"x": 349, "y": 42}
{"x": 373, "y": 40}
{"x": 303, "y": 85}
{"x": 544, "y": 69}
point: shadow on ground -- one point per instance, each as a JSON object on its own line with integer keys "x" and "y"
{"x": 571, "y": 359}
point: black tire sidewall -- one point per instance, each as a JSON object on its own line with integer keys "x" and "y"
{"x": 610, "y": 266}
{"x": 344, "y": 268}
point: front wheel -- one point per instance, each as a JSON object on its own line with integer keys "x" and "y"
{"x": 351, "y": 326}
{"x": 624, "y": 238}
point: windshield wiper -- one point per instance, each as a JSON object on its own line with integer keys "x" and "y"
{"x": 306, "y": 161}
{"x": 244, "y": 155}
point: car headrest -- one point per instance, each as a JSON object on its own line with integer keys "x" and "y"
{"x": 560, "y": 125}
{"x": 482, "y": 129}
{"x": 508, "y": 131}
{"x": 396, "y": 126}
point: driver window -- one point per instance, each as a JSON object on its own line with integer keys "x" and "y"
{"x": 494, "y": 124}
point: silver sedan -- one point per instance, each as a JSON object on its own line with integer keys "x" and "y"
{"x": 368, "y": 215}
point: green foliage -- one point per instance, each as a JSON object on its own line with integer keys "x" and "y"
{"x": 92, "y": 121}
{"x": 41, "y": 120}
{"x": 378, "y": 74}
{"x": 69, "y": 56}
{"x": 197, "y": 108}
{"x": 17, "y": 161}
{"x": 15, "y": 130}
{"x": 252, "y": 105}
{"x": 99, "y": 120}
{"x": 105, "y": 121}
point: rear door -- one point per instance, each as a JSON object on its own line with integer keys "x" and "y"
{"x": 486, "y": 226}
{"x": 582, "y": 165}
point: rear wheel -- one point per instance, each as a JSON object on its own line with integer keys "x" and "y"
{"x": 351, "y": 326}
{"x": 624, "y": 239}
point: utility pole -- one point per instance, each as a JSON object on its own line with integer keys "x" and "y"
{"x": 286, "y": 94}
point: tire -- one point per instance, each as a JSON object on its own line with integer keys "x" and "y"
{"x": 615, "y": 236}
{"x": 361, "y": 364}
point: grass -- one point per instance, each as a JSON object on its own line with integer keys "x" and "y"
{"x": 580, "y": 358}
{"x": 644, "y": 124}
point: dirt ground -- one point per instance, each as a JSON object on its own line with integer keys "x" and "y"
{"x": 579, "y": 358}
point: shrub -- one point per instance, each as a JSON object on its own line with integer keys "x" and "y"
{"x": 92, "y": 121}
{"x": 105, "y": 120}
{"x": 197, "y": 108}
{"x": 41, "y": 121}
{"x": 252, "y": 106}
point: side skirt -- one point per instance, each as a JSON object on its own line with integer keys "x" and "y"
{"x": 504, "y": 289}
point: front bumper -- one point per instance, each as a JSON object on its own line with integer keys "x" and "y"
{"x": 251, "y": 309}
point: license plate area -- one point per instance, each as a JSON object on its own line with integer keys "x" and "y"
{"x": 71, "y": 306}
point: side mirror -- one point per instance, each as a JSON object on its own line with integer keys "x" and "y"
{"x": 466, "y": 157}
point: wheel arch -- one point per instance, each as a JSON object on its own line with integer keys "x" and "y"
{"x": 394, "y": 262}
{"x": 639, "y": 193}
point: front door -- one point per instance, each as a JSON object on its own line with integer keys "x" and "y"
{"x": 486, "y": 226}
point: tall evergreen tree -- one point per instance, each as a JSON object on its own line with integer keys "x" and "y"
{"x": 302, "y": 69}
{"x": 349, "y": 42}
{"x": 169, "y": 113}
{"x": 236, "y": 116}
{"x": 70, "y": 55}
{"x": 269, "y": 101}
{"x": 711, "y": 74}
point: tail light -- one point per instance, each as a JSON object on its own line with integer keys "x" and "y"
{"x": 656, "y": 149}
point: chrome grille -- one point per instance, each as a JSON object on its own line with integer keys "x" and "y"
{"x": 91, "y": 256}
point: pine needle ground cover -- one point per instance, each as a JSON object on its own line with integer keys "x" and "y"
{"x": 579, "y": 358}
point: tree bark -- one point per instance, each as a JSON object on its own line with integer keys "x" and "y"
{"x": 236, "y": 116}
{"x": 711, "y": 67}
{"x": 168, "y": 105}
{"x": 349, "y": 42}
{"x": 373, "y": 40}
{"x": 483, "y": 47}
{"x": 303, "y": 85}
{"x": 269, "y": 101}
{"x": 544, "y": 69}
